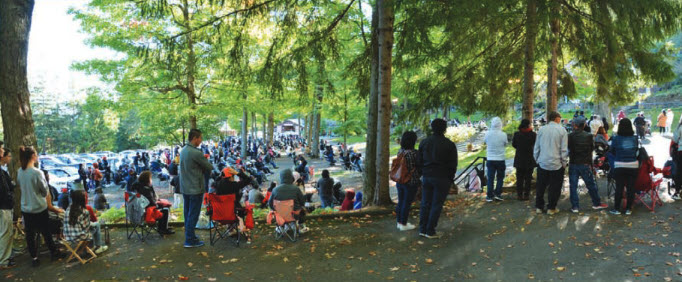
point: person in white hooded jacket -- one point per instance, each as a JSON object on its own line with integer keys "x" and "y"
{"x": 496, "y": 140}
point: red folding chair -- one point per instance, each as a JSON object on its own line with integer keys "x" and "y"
{"x": 287, "y": 225}
{"x": 223, "y": 218}
{"x": 143, "y": 227}
{"x": 646, "y": 186}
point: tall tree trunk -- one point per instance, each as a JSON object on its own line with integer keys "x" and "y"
{"x": 345, "y": 119}
{"x": 191, "y": 65}
{"x": 317, "y": 105}
{"x": 603, "y": 103}
{"x": 386, "y": 18}
{"x": 529, "y": 60}
{"x": 245, "y": 131}
{"x": 309, "y": 133}
{"x": 17, "y": 117}
{"x": 552, "y": 103}
{"x": 369, "y": 181}
{"x": 271, "y": 128}
{"x": 254, "y": 132}
{"x": 265, "y": 131}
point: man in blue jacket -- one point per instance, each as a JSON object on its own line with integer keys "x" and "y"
{"x": 193, "y": 167}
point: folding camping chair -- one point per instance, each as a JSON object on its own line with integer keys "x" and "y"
{"x": 76, "y": 247}
{"x": 134, "y": 225}
{"x": 223, "y": 218}
{"x": 287, "y": 225}
{"x": 646, "y": 186}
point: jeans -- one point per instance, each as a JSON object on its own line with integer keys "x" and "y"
{"x": 327, "y": 201}
{"x": 191, "y": 211}
{"x": 6, "y": 236}
{"x": 95, "y": 229}
{"x": 434, "y": 192}
{"x": 35, "y": 223}
{"x": 555, "y": 180}
{"x": 495, "y": 187}
{"x": 406, "y": 193}
{"x": 625, "y": 177}
{"x": 585, "y": 172}
{"x": 524, "y": 176}
{"x": 273, "y": 164}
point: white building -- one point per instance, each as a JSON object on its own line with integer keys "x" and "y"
{"x": 288, "y": 127}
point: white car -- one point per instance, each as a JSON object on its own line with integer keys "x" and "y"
{"x": 62, "y": 178}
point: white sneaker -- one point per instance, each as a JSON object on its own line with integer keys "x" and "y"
{"x": 676, "y": 197}
{"x": 552, "y": 212}
{"x": 303, "y": 230}
{"x": 101, "y": 249}
{"x": 406, "y": 227}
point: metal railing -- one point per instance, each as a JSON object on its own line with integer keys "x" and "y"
{"x": 465, "y": 173}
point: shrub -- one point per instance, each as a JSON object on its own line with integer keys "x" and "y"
{"x": 460, "y": 134}
{"x": 113, "y": 215}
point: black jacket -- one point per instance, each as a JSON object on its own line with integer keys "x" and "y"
{"x": 6, "y": 191}
{"x": 438, "y": 157}
{"x": 580, "y": 147}
{"x": 226, "y": 187}
{"x": 524, "y": 142}
{"x": 145, "y": 191}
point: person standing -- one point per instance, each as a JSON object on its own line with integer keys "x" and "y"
{"x": 662, "y": 121}
{"x": 34, "y": 192}
{"x": 523, "y": 142}
{"x": 193, "y": 167}
{"x": 496, "y": 140}
{"x": 407, "y": 191}
{"x": 551, "y": 154}
{"x": 438, "y": 163}
{"x": 325, "y": 188}
{"x": 580, "y": 147}
{"x": 624, "y": 147}
{"x": 677, "y": 157}
{"x": 640, "y": 123}
{"x": 6, "y": 217}
{"x": 669, "y": 121}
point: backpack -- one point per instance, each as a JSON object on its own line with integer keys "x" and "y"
{"x": 674, "y": 149}
{"x": 481, "y": 175}
{"x": 399, "y": 172}
{"x": 669, "y": 169}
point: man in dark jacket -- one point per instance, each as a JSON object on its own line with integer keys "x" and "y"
{"x": 523, "y": 142}
{"x": 580, "y": 147}
{"x": 438, "y": 159}
{"x": 288, "y": 191}
{"x": 226, "y": 185}
{"x": 6, "y": 219}
{"x": 325, "y": 188}
{"x": 640, "y": 124}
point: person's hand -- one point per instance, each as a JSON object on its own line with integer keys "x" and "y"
{"x": 59, "y": 210}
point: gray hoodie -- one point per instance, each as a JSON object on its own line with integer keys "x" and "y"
{"x": 193, "y": 166}
{"x": 496, "y": 140}
{"x": 33, "y": 190}
{"x": 287, "y": 191}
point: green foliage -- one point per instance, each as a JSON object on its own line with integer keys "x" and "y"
{"x": 113, "y": 215}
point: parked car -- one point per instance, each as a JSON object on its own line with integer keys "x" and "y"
{"x": 61, "y": 177}
{"x": 50, "y": 162}
{"x": 70, "y": 160}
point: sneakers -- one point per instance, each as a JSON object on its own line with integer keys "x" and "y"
{"x": 303, "y": 230}
{"x": 616, "y": 212}
{"x": 434, "y": 236}
{"x": 628, "y": 212}
{"x": 498, "y": 198}
{"x": 600, "y": 206}
{"x": 488, "y": 199}
{"x": 676, "y": 197}
{"x": 406, "y": 227}
{"x": 538, "y": 210}
{"x": 101, "y": 249}
{"x": 575, "y": 210}
{"x": 194, "y": 244}
{"x": 552, "y": 212}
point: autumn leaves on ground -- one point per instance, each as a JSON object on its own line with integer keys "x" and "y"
{"x": 483, "y": 242}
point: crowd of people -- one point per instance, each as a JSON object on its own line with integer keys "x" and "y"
{"x": 200, "y": 167}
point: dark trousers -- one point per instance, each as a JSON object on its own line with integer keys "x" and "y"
{"x": 524, "y": 176}
{"x": 678, "y": 175}
{"x": 625, "y": 177}
{"x": 301, "y": 216}
{"x": 434, "y": 192}
{"x": 495, "y": 171}
{"x": 551, "y": 180}
{"x": 406, "y": 193}
{"x": 162, "y": 223}
{"x": 35, "y": 223}
{"x": 192, "y": 208}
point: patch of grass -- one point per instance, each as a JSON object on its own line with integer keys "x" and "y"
{"x": 113, "y": 215}
{"x": 466, "y": 158}
{"x": 351, "y": 139}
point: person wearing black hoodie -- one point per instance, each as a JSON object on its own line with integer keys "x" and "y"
{"x": 438, "y": 163}
{"x": 523, "y": 142}
{"x": 226, "y": 185}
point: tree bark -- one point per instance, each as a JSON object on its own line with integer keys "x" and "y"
{"x": 345, "y": 119}
{"x": 552, "y": 104}
{"x": 309, "y": 133}
{"x": 245, "y": 131}
{"x": 369, "y": 181}
{"x": 17, "y": 117}
{"x": 271, "y": 128}
{"x": 529, "y": 60}
{"x": 317, "y": 104}
{"x": 191, "y": 66}
{"x": 386, "y": 19}
{"x": 603, "y": 103}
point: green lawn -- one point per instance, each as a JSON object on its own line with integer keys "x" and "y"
{"x": 466, "y": 158}
{"x": 351, "y": 139}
